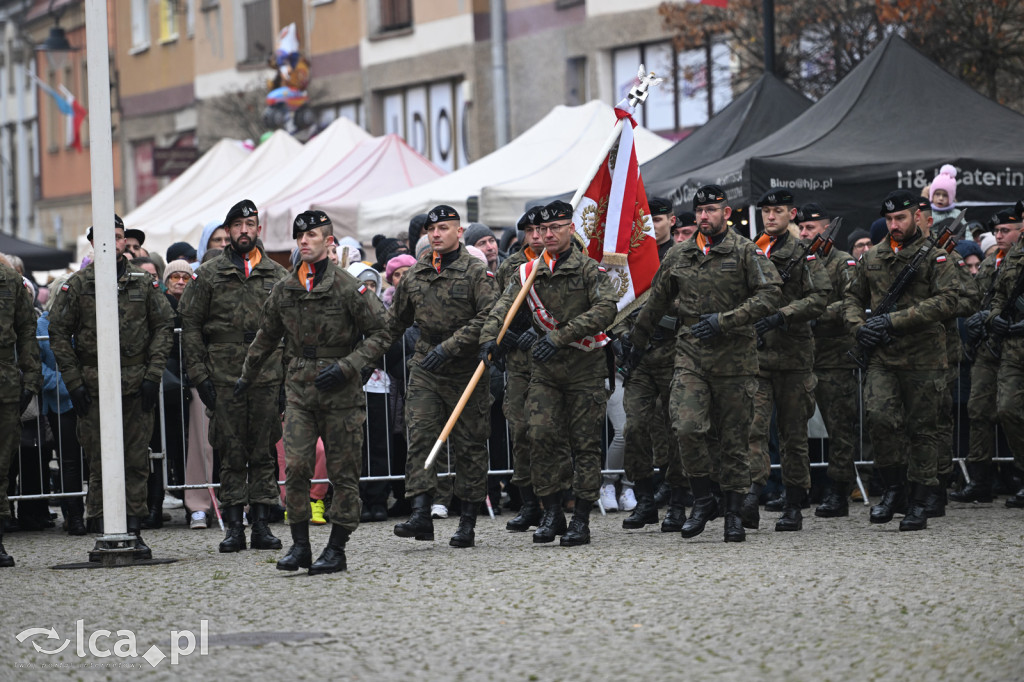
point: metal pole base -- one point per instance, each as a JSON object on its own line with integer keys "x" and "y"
{"x": 114, "y": 551}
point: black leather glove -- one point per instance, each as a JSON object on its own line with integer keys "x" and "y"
{"x": 282, "y": 400}
{"x": 544, "y": 349}
{"x": 207, "y": 393}
{"x": 148, "y": 393}
{"x": 766, "y": 324}
{"x": 329, "y": 378}
{"x": 364, "y": 374}
{"x": 527, "y": 339}
{"x": 975, "y": 325}
{"x": 491, "y": 352}
{"x": 26, "y": 398}
{"x": 433, "y": 360}
{"x": 707, "y": 328}
{"x": 241, "y": 386}
{"x": 868, "y": 337}
{"x": 1016, "y": 329}
{"x": 509, "y": 342}
{"x": 880, "y": 323}
{"x": 1000, "y": 326}
{"x": 80, "y": 400}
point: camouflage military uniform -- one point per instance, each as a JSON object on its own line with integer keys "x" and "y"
{"x": 517, "y": 379}
{"x": 449, "y": 307}
{"x": 981, "y": 405}
{"x": 146, "y": 335}
{"x": 19, "y": 368}
{"x": 785, "y": 379}
{"x": 566, "y": 395}
{"x": 220, "y": 312}
{"x": 906, "y": 376}
{"x": 1010, "y": 378}
{"x": 713, "y": 386}
{"x": 338, "y": 321}
{"x": 837, "y": 387}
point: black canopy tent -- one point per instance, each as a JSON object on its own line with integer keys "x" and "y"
{"x": 35, "y": 256}
{"x": 891, "y": 123}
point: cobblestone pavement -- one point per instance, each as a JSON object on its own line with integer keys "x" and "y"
{"x": 840, "y": 600}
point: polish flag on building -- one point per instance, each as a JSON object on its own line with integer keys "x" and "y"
{"x": 615, "y": 221}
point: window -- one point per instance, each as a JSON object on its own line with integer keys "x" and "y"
{"x": 430, "y": 117}
{"x": 576, "y": 81}
{"x": 395, "y": 14}
{"x": 259, "y": 34}
{"x": 140, "y": 24}
{"x": 168, "y": 21}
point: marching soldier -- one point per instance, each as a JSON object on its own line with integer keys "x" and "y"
{"x": 572, "y": 300}
{"x": 785, "y": 377}
{"x": 145, "y": 329}
{"x": 722, "y": 284}
{"x": 906, "y": 373}
{"x": 837, "y": 387}
{"x": 448, "y": 294}
{"x": 21, "y": 374}
{"x": 220, "y": 314}
{"x": 981, "y": 406}
{"x": 333, "y": 326}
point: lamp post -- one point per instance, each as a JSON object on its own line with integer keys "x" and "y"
{"x": 56, "y": 46}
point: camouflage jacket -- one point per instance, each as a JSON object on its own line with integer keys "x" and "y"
{"x": 19, "y": 351}
{"x": 733, "y": 279}
{"x": 661, "y": 351}
{"x": 339, "y": 320}
{"x": 967, "y": 304}
{"x": 449, "y": 307}
{"x": 220, "y": 313}
{"x": 918, "y": 339}
{"x": 1009, "y": 271}
{"x": 832, "y": 338}
{"x": 146, "y": 328}
{"x": 516, "y": 360}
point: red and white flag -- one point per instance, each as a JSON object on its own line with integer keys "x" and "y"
{"x": 615, "y": 221}
{"x": 714, "y": 3}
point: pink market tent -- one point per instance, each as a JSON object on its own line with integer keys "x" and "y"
{"x": 375, "y": 168}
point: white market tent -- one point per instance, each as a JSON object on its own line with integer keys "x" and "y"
{"x": 563, "y": 170}
{"x": 375, "y": 167}
{"x": 574, "y": 132}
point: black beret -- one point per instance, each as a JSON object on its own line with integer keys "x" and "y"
{"x": 685, "y": 219}
{"x": 776, "y": 197}
{"x": 708, "y": 194}
{"x": 1004, "y": 217}
{"x": 442, "y": 213}
{"x": 556, "y": 210}
{"x": 529, "y": 218}
{"x": 307, "y": 220}
{"x": 243, "y": 209}
{"x": 118, "y": 223}
{"x": 898, "y": 200}
{"x": 812, "y": 211}
{"x": 659, "y": 206}
{"x": 135, "y": 233}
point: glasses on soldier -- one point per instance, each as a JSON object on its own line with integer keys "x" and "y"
{"x": 1004, "y": 230}
{"x": 552, "y": 228}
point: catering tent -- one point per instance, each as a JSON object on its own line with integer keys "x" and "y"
{"x": 565, "y": 133}
{"x": 890, "y": 124}
{"x": 373, "y": 168}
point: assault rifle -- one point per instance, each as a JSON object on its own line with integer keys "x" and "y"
{"x": 860, "y": 354}
{"x": 1008, "y": 313}
{"x": 810, "y": 249}
{"x": 971, "y": 349}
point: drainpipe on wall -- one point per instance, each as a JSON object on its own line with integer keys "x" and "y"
{"x": 499, "y": 80}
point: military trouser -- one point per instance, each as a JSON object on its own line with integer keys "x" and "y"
{"x": 10, "y": 436}
{"x": 981, "y": 408}
{"x": 429, "y": 401}
{"x": 243, "y": 431}
{"x": 791, "y": 392}
{"x": 836, "y": 395}
{"x": 711, "y": 419}
{"x": 1009, "y": 399}
{"x": 944, "y": 428}
{"x": 513, "y": 406}
{"x": 649, "y": 440}
{"x": 902, "y": 408}
{"x": 310, "y": 415}
{"x": 136, "y": 432}
{"x": 565, "y": 408}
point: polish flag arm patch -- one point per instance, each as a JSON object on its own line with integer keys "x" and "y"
{"x": 940, "y": 259}
{"x": 361, "y": 289}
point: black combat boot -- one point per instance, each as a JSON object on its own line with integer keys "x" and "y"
{"x": 916, "y": 518}
{"x": 836, "y": 502}
{"x": 552, "y": 523}
{"x": 980, "y": 487}
{"x": 578, "y": 532}
{"x": 705, "y": 508}
{"x": 791, "y": 518}
{"x": 529, "y": 513}
{"x": 134, "y": 526}
{"x": 465, "y": 535}
{"x": 332, "y": 559}
{"x": 260, "y": 536}
{"x": 74, "y": 510}
{"x": 94, "y": 525}
{"x": 234, "y": 531}
{"x": 675, "y": 517}
{"x": 155, "y": 497}
{"x": 776, "y": 504}
{"x": 300, "y": 555}
{"x": 662, "y": 495}
{"x": 733, "y": 517}
{"x": 646, "y": 510}
{"x": 935, "y": 504}
{"x": 420, "y": 524}
{"x": 6, "y": 560}
{"x": 1016, "y": 501}
{"x": 894, "y": 499}
{"x": 749, "y": 514}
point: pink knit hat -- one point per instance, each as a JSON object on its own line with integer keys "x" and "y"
{"x": 401, "y": 261}
{"x": 946, "y": 179}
